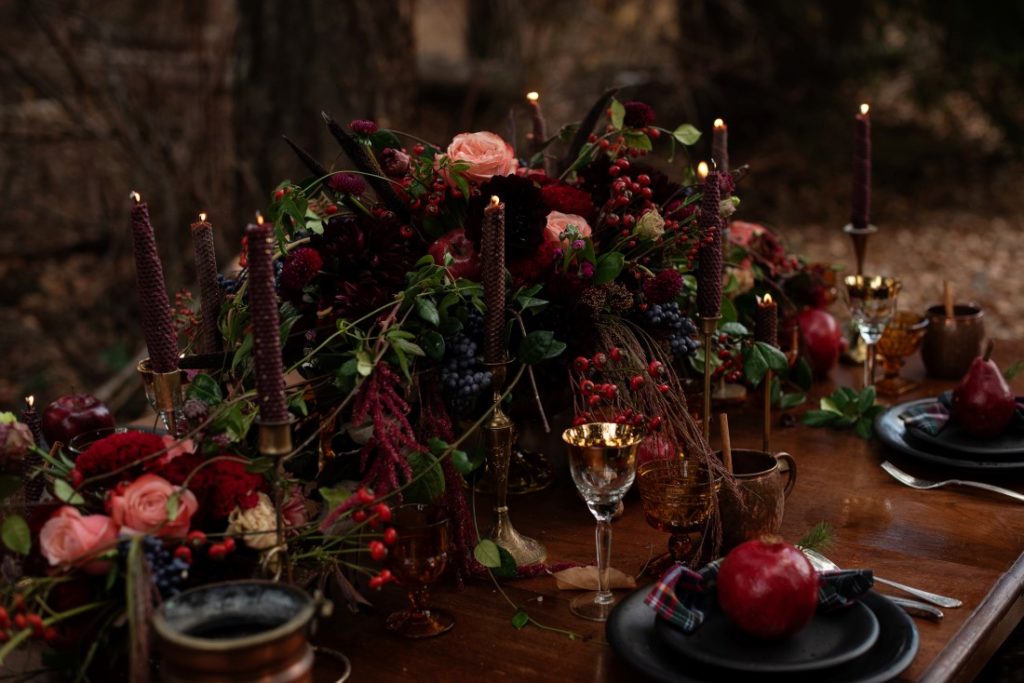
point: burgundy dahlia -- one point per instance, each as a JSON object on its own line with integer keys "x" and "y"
{"x": 663, "y": 287}
{"x": 364, "y": 127}
{"x": 559, "y": 197}
{"x": 347, "y": 183}
{"x": 638, "y": 114}
{"x": 299, "y": 268}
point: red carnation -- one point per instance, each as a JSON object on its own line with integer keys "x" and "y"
{"x": 300, "y": 267}
{"x": 638, "y": 114}
{"x": 559, "y": 197}
{"x": 120, "y": 451}
{"x": 663, "y": 287}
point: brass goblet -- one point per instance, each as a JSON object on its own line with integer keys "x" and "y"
{"x": 872, "y": 302}
{"x": 417, "y": 559}
{"x": 678, "y": 496}
{"x": 901, "y": 339}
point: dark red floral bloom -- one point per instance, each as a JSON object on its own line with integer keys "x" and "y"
{"x": 559, "y": 197}
{"x": 219, "y": 487}
{"x": 364, "y": 127}
{"x": 395, "y": 162}
{"x": 638, "y": 114}
{"x": 347, "y": 183}
{"x": 663, "y": 287}
{"x": 299, "y": 268}
{"x": 120, "y": 450}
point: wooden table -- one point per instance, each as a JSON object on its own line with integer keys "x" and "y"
{"x": 953, "y": 541}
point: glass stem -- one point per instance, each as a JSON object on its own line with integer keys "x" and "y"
{"x": 603, "y": 536}
{"x": 869, "y": 366}
{"x": 419, "y": 598}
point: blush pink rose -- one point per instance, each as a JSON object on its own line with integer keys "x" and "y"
{"x": 141, "y": 507}
{"x": 174, "y": 449}
{"x": 558, "y": 222}
{"x": 68, "y": 538}
{"x": 486, "y": 153}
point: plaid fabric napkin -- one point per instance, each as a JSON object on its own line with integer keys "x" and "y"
{"x": 683, "y": 596}
{"x": 930, "y": 418}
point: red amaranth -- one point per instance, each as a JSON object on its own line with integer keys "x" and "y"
{"x": 383, "y": 456}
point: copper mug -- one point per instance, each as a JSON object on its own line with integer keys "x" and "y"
{"x": 952, "y": 343}
{"x": 755, "y": 507}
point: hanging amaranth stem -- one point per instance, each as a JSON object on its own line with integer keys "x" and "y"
{"x": 393, "y": 436}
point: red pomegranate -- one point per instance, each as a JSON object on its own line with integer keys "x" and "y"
{"x": 822, "y": 339}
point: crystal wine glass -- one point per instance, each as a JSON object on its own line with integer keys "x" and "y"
{"x": 901, "y": 339}
{"x": 417, "y": 559}
{"x": 872, "y": 302}
{"x": 602, "y": 459}
{"x": 678, "y": 496}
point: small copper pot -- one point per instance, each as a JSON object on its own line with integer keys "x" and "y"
{"x": 950, "y": 344}
{"x": 756, "y": 506}
{"x": 236, "y": 631}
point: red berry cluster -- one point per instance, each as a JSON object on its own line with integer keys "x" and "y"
{"x": 196, "y": 540}
{"x": 375, "y": 515}
{"x": 186, "y": 320}
{"x": 600, "y": 394}
{"x": 18, "y": 618}
{"x": 731, "y": 368}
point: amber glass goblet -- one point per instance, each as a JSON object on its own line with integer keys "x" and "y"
{"x": 901, "y": 339}
{"x": 417, "y": 559}
{"x": 678, "y": 496}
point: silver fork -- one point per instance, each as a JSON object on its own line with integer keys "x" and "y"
{"x": 924, "y": 484}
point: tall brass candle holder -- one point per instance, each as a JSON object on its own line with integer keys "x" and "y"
{"x": 498, "y": 440}
{"x": 708, "y": 326}
{"x": 163, "y": 391}
{"x": 859, "y": 237}
{"x": 276, "y": 442}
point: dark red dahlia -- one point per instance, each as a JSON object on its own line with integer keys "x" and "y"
{"x": 364, "y": 127}
{"x": 299, "y": 268}
{"x": 663, "y": 287}
{"x": 347, "y": 183}
{"x": 560, "y": 197}
{"x": 120, "y": 451}
{"x": 395, "y": 162}
{"x": 525, "y": 214}
{"x": 638, "y": 114}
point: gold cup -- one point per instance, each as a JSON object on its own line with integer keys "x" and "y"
{"x": 164, "y": 393}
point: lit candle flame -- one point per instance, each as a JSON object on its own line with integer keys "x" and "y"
{"x": 719, "y": 123}
{"x": 533, "y": 96}
{"x": 767, "y": 299}
{"x": 202, "y": 217}
{"x": 259, "y": 218}
{"x": 864, "y": 109}
{"x": 494, "y": 200}
{"x": 702, "y": 170}
{"x": 136, "y": 197}
{"x": 30, "y": 400}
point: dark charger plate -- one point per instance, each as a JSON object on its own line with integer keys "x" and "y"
{"x": 631, "y": 632}
{"x": 828, "y": 640}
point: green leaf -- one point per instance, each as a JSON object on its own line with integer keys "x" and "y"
{"x": 734, "y": 329}
{"x": 618, "y": 114}
{"x": 427, "y": 310}
{"x": 520, "y": 619}
{"x": 775, "y": 359}
{"x": 16, "y": 535}
{"x": 638, "y": 140}
{"x": 508, "y": 568}
{"x": 755, "y": 366}
{"x": 9, "y": 484}
{"x": 65, "y": 493}
{"x": 433, "y": 345}
{"x": 364, "y": 366}
{"x": 172, "y": 505}
{"x": 244, "y": 351}
{"x": 261, "y": 465}
{"x": 792, "y": 400}
{"x": 539, "y": 345}
{"x": 819, "y": 418}
{"x": 866, "y": 399}
{"x": 686, "y": 134}
{"x": 462, "y": 462}
{"x": 486, "y": 553}
{"x": 829, "y": 405}
{"x": 334, "y": 496}
{"x": 204, "y": 388}
{"x": 819, "y": 537}
{"x": 729, "y": 313}
{"x": 298, "y": 402}
{"x": 608, "y": 267}
{"x": 863, "y": 428}
{"x": 804, "y": 376}
{"x": 427, "y": 479}
{"x": 411, "y": 348}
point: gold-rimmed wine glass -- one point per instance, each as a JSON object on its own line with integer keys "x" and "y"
{"x": 872, "y": 302}
{"x": 602, "y": 459}
{"x": 417, "y": 559}
{"x": 678, "y": 496}
{"x": 901, "y": 339}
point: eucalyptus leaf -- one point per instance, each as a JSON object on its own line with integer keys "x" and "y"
{"x": 608, "y": 267}
{"x": 63, "y": 491}
{"x": 16, "y": 535}
{"x": 426, "y": 309}
{"x": 618, "y": 114}
{"x": 486, "y": 553}
{"x": 638, "y": 140}
{"x": 734, "y": 329}
{"x": 411, "y": 348}
{"x": 686, "y": 134}
{"x": 334, "y": 495}
{"x": 819, "y": 418}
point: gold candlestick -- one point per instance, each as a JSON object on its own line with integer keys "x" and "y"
{"x": 708, "y": 327}
{"x": 163, "y": 391}
{"x": 860, "y": 236}
{"x": 276, "y": 443}
{"x": 498, "y": 438}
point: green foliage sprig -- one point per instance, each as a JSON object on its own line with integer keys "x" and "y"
{"x": 845, "y": 408}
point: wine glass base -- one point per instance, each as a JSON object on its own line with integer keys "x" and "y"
{"x": 415, "y": 624}
{"x": 585, "y": 607}
{"x": 895, "y": 386}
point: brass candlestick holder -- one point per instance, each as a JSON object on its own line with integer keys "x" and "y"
{"x": 859, "y": 237}
{"x": 708, "y": 326}
{"x": 276, "y": 443}
{"x": 498, "y": 438}
{"x": 163, "y": 391}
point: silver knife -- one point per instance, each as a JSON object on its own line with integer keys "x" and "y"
{"x": 917, "y": 609}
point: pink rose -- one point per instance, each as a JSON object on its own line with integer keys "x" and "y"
{"x": 743, "y": 233}
{"x": 141, "y": 507}
{"x": 174, "y": 448}
{"x": 558, "y": 222}
{"x": 486, "y": 153}
{"x": 69, "y": 538}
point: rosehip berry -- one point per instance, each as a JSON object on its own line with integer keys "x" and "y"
{"x": 609, "y": 391}
{"x": 614, "y": 171}
{"x": 77, "y": 478}
{"x": 593, "y": 400}
{"x": 331, "y": 209}
{"x": 654, "y": 133}
{"x": 579, "y": 420}
{"x": 655, "y": 422}
{"x": 375, "y": 582}
{"x": 19, "y": 602}
{"x": 724, "y": 353}
{"x": 390, "y": 536}
{"x": 615, "y": 353}
{"x": 604, "y": 144}
{"x": 217, "y": 552}
{"x": 279, "y": 194}
{"x": 364, "y": 495}
{"x": 35, "y": 622}
{"x": 654, "y": 368}
{"x": 636, "y": 381}
{"x": 663, "y": 388}
{"x": 196, "y": 539}
{"x": 5, "y": 619}
{"x": 374, "y": 523}
{"x": 631, "y": 244}
{"x": 20, "y": 622}
{"x": 229, "y": 544}
{"x": 587, "y": 386}
{"x": 417, "y": 149}
{"x": 183, "y": 553}
{"x": 385, "y": 575}
{"x": 643, "y": 180}
{"x": 406, "y": 231}
{"x": 50, "y": 634}
{"x": 359, "y": 516}
{"x": 600, "y": 359}
{"x": 581, "y": 364}
{"x": 383, "y": 512}
{"x": 638, "y": 420}
{"x": 377, "y": 551}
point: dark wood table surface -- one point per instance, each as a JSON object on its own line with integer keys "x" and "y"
{"x": 953, "y": 541}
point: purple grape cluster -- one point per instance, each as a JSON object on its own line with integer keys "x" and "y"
{"x": 682, "y": 332}
{"x": 167, "y": 572}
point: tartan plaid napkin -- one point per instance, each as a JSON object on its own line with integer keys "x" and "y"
{"x": 930, "y": 418}
{"x": 683, "y": 596}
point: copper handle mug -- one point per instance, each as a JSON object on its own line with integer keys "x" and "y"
{"x": 763, "y": 482}
{"x": 950, "y": 344}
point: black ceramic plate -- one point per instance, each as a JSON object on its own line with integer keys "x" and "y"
{"x": 954, "y": 439}
{"x": 892, "y": 431}
{"x": 631, "y": 634}
{"x": 828, "y": 640}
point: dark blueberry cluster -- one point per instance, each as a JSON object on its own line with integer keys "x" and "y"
{"x": 229, "y": 285}
{"x": 682, "y": 332}
{"x": 463, "y": 377}
{"x": 168, "y": 572}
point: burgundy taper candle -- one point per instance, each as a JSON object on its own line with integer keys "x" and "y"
{"x": 266, "y": 326}
{"x": 709, "y": 265}
{"x": 154, "y": 307}
{"x": 33, "y": 485}
{"x": 720, "y": 146}
{"x": 209, "y": 290}
{"x": 766, "y": 321}
{"x": 860, "y": 214}
{"x": 540, "y": 130}
{"x": 492, "y": 258}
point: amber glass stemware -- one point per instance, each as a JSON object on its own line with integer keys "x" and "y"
{"x": 901, "y": 339}
{"x": 417, "y": 559}
{"x": 678, "y": 497}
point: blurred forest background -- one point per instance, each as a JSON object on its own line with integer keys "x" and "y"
{"x": 186, "y": 102}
